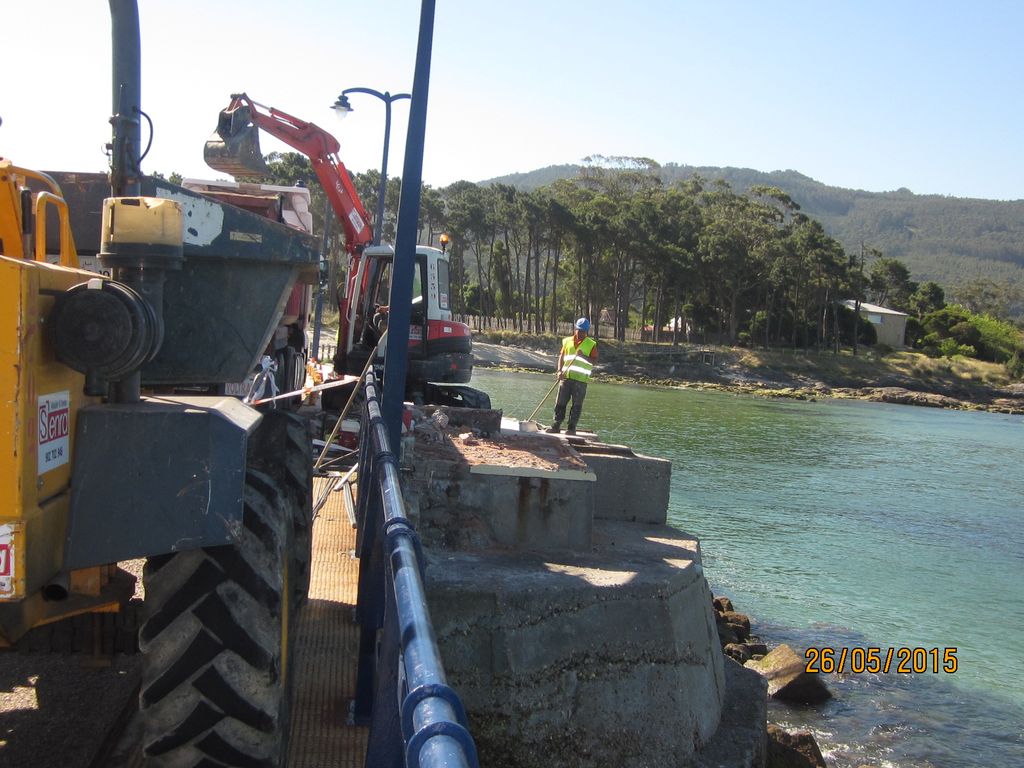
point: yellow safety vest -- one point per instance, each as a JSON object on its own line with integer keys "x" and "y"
{"x": 576, "y": 360}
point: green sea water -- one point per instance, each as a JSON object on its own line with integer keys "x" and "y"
{"x": 850, "y": 524}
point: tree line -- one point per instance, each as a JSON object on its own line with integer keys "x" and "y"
{"x": 940, "y": 238}
{"x": 690, "y": 260}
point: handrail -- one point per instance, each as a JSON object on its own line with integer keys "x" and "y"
{"x": 430, "y": 723}
{"x": 53, "y": 196}
{"x": 68, "y": 254}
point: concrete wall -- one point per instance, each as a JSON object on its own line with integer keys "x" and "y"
{"x": 601, "y": 658}
{"x": 455, "y": 508}
{"x": 630, "y": 488}
{"x": 575, "y": 626}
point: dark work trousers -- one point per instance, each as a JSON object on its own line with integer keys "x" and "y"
{"x": 570, "y": 388}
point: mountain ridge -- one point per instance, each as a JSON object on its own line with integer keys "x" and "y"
{"x": 950, "y": 240}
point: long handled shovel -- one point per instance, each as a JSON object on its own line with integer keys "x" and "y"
{"x": 543, "y": 399}
{"x": 546, "y": 396}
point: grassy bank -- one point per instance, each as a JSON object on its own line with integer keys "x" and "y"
{"x": 902, "y": 368}
{"x": 898, "y": 376}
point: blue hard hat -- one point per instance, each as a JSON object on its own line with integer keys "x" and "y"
{"x": 583, "y": 324}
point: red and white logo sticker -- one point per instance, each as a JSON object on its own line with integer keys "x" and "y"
{"x": 356, "y": 220}
{"x": 6, "y": 560}
{"x": 54, "y": 430}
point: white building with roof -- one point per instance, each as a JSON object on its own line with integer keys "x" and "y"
{"x": 890, "y": 325}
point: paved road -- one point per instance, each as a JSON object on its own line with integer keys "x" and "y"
{"x": 495, "y": 354}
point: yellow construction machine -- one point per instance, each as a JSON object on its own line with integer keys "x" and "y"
{"x": 39, "y": 413}
{"x": 120, "y": 446}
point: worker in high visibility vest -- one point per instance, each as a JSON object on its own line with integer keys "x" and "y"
{"x": 575, "y": 363}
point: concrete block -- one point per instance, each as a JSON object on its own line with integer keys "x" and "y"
{"x": 741, "y": 738}
{"x": 603, "y": 657}
{"x": 484, "y": 420}
{"x": 785, "y": 671}
{"x": 631, "y": 488}
{"x": 459, "y": 507}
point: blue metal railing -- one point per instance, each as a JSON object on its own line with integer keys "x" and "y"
{"x": 415, "y": 718}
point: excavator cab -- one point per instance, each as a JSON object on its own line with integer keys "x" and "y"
{"x": 234, "y": 148}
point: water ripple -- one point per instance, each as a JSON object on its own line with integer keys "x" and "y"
{"x": 847, "y": 523}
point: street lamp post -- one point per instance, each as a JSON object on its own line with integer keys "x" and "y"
{"x": 342, "y": 108}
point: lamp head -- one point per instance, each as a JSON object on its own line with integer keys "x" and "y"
{"x": 341, "y": 107}
{"x": 444, "y": 242}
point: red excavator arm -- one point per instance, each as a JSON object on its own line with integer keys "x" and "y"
{"x": 235, "y": 150}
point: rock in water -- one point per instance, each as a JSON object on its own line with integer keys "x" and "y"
{"x": 722, "y": 604}
{"x": 738, "y": 651}
{"x": 739, "y": 624}
{"x": 793, "y": 750}
{"x": 787, "y": 679}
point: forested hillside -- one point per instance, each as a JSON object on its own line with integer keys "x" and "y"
{"x": 674, "y": 254}
{"x": 945, "y": 239}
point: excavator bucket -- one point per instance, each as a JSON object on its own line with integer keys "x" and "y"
{"x": 235, "y": 147}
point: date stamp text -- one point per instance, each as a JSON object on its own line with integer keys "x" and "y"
{"x": 857, "y": 660}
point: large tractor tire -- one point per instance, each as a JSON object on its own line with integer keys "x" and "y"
{"x": 281, "y": 448}
{"x": 215, "y": 643}
{"x": 291, "y": 375}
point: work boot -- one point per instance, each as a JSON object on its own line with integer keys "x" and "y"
{"x": 554, "y": 429}
{"x": 570, "y": 431}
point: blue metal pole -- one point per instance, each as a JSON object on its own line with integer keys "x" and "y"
{"x": 387, "y": 97}
{"x": 378, "y": 230}
{"x": 430, "y": 723}
{"x": 396, "y": 359}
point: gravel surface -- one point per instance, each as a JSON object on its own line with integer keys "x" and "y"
{"x": 524, "y": 451}
{"x": 57, "y": 709}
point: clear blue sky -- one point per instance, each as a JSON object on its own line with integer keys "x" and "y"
{"x": 862, "y": 94}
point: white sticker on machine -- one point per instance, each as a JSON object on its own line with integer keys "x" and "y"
{"x": 54, "y": 430}
{"x": 6, "y": 560}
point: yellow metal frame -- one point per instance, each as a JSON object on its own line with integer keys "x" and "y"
{"x": 37, "y": 418}
{"x": 68, "y": 253}
{"x": 37, "y": 414}
{"x": 13, "y": 179}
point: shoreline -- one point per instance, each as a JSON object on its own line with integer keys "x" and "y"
{"x": 785, "y": 746}
{"x": 862, "y": 713}
{"x": 735, "y": 379}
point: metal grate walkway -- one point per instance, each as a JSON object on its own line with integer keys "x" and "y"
{"x": 327, "y": 648}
